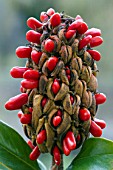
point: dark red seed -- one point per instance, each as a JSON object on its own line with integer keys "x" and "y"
{"x": 72, "y": 99}
{"x": 100, "y": 123}
{"x": 51, "y": 63}
{"x": 31, "y": 74}
{"x": 30, "y": 144}
{"x": 59, "y": 113}
{"x": 78, "y": 137}
{"x": 30, "y": 109}
{"x": 43, "y": 16}
{"x": 85, "y": 41}
{"x": 50, "y": 11}
{"x": 17, "y": 72}
{"x": 69, "y": 77}
{"x": 66, "y": 150}
{"x": 49, "y": 45}
{"x": 16, "y": 102}
{"x": 68, "y": 70}
{"x": 84, "y": 114}
{"x": 100, "y": 98}
{"x": 96, "y": 41}
{"x": 41, "y": 137}
{"x": 34, "y": 154}
{"x": 29, "y": 84}
{"x": 56, "y": 120}
{"x": 69, "y": 34}
{"x": 95, "y": 130}
{"x": 23, "y": 52}
{"x": 33, "y": 36}
{"x": 33, "y": 23}
{"x": 78, "y": 25}
{"x": 35, "y": 55}
{"x": 56, "y": 155}
{"x": 95, "y": 54}
{"x": 55, "y": 87}
{"x": 55, "y": 19}
{"x": 44, "y": 101}
{"x": 93, "y": 32}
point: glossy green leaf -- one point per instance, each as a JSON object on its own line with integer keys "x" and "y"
{"x": 96, "y": 154}
{"x": 14, "y": 152}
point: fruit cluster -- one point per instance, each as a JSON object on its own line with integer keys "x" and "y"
{"x": 59, "y": 96}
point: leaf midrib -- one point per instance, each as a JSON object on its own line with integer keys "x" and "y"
{"x": 12, "y": 153}
{"x": 5, "y": 166}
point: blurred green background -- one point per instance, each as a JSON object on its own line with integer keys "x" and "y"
{"x": 13, "y": 15}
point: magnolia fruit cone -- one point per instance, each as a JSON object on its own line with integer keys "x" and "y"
{"x": 59, "y": 88}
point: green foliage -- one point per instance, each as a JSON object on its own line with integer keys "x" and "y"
{"x": 14, "y": 152}
{"x": 96, "y": 154}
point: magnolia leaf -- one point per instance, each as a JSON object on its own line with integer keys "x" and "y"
{"x": 14, "y": 151}
{"x": 96, "y": 154}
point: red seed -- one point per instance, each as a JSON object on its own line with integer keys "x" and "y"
{"x": 95, "y": 130}
{"x": 30, "y": 144}
{"x": 69, "y": 77}
{"x": 41, "y": 137}
{"x": 84, "y": 114}
{"x": 33, "y": 36}
{"x": 17, "y": 72}
{"x": 85, "y": 41}
{"x": 44, "y": 101}
{"x": 59, "y": 113}
{"x": 33, "y": 23}
{"x": 72, "y": 99}
{"x": 43, "y": 16}
{"x": 68, "y": 72}
{"x": 57, "y": 156}
{"x": 100, "y": 98}
{"x": 30, "y": 109}
{"x": 78, "y": 25}
{"x": 31, "y": 74}
{"x": 51, "y": 63}
{"x": 70, "y": 139}
{"x": 95, "y": 54}
{"x": 26, "y": 118}
{"x": 78, "y": 137}
{"x": 16, "y": 102}
{"x": 49, "y": 45}
{"x": 96, "y": 41}
{"x": 66, "y": 150}
{"x": 20, "y": 113}
{"x": 78, "y": 17}
{"x": 34, "y": 154}
{"x": 70, "y": 33}
{"x": 93, "y": 32}
{"x": 50, "y": 11}
{"x": 23, "y": 52}
{"x": 35, "y": 55}
{"x": 56, "y": 120}
{"x": 100, "y": 123}
{"x": 22, "y": 90}
{"x": 55, "y": 19}
{"x": 29, "y": 84}
{"x": 55, "y": 87}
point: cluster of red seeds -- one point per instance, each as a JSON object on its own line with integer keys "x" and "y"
{"x": 31, "y": 76}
